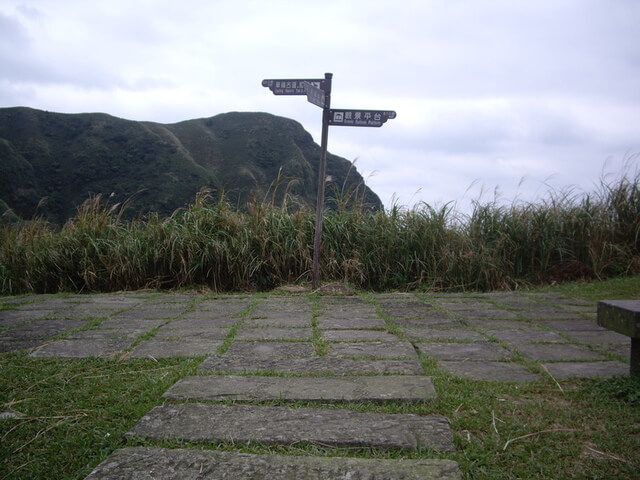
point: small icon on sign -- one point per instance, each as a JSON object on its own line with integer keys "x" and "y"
{"x": 338, "y": 116}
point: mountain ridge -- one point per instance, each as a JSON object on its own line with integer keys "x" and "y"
{"x": 66, "y": 158}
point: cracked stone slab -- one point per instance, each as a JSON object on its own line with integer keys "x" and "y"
{"x": 489, "y": 371}
{"x": 150, "y": 463}
{"x": 587, "y": 369}
{"x": 464, "y": 351}
{"x": 557, "y": 352}
{"x": 103, "y": 348}
{"x": 195, "y": 422}
{"x": 398, "y": 349}
{"x": 184, "y": 347}
{"x": 310, "y": 366}
{"x": 272, "y": 349}
{"x": 403, "y": 388}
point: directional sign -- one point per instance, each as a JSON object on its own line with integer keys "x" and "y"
{"x": 291, "y": 86}
{"x": 315, "y": 95}
{"x": 360, "y": 118}
{"x": 318, "y": 92}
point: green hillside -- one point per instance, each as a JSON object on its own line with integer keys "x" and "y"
{"x": 50, "y": 162}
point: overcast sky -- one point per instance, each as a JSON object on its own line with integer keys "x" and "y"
{"x": 521, "y": 96}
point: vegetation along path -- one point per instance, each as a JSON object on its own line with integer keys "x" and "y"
{"x": 394, "y": 386}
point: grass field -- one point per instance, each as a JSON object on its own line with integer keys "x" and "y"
{"x": 76, "y": 412}
{"x": 214, "y": 245}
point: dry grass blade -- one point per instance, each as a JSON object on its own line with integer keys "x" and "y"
{"x": 552, "y": 377}
{"x": 604, "y": 454}
{"x": 528, "y": 435}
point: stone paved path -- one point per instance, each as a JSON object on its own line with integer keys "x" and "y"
{"x": 325, "y": 349}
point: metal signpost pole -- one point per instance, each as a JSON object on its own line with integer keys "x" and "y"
{"x": 322, "y": 175}
{"x": 318, "y": 92}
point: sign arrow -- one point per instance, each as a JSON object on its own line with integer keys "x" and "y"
{"x": 315, "y": 95}
{"x": 291, "y": 86}
{"x": 360, "y": 118}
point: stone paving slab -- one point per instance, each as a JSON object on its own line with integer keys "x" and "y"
{"x": 204, "y": 318}
{"x": 272, "y": 349}
{"x": 310, "y": 366}
{"x": 274, "y": 334}
{"x": 492, "y": 324}
{"x": 184, "y": 347}
{"x": 282, "y": 321}
{"x": 11, "y": 345}
{"x": 488, "y": 313}
{"x": 10, "y": 318}
{"x": 542, "y": 313}
{"x": 404, "y": 388}
{"x": 607, "y": 336}
{"x": 489, "y": 371}
{"x": 444, "y": 334}
{"x": 563, "y": 370}
{"x": 573, "y": 325}
{"x": 527, "y": 336}
{"x": 357, "y": 335}
{"x": 434, "y": 322}
{"x": 211, "y": 333}
{"x": 42, "y": 329}
{"x": 195, "y": 422}
{"x": 398, "y": 349}
{"x": 103, "y": 348}
{"x": 558, "y": 352}
{"x": 148, "y": 463}
{"x": 110, "y": 334}
{"x": 133, "y": 324}
{"x": 623, "y": 351}
{"x": 464, "y": 351}
{"x": 350, "y": 322}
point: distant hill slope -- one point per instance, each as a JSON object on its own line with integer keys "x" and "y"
{"x": 68, "y": 157}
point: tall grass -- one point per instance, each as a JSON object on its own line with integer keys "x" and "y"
{"x": 210, "y": 243}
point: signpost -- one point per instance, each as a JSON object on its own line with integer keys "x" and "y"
{"x": 318, "y": 92}
{"x": 360, "y": 118}
{"x": 292, "y": 86}
{"x": 315, "y": 95}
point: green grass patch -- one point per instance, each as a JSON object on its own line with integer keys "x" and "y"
{"x": 75, "y": 411}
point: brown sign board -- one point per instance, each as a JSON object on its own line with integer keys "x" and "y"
{"x": 315, "y": 94}
{"x": 360, "y": 118}
{"x": 291, "y": 86}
